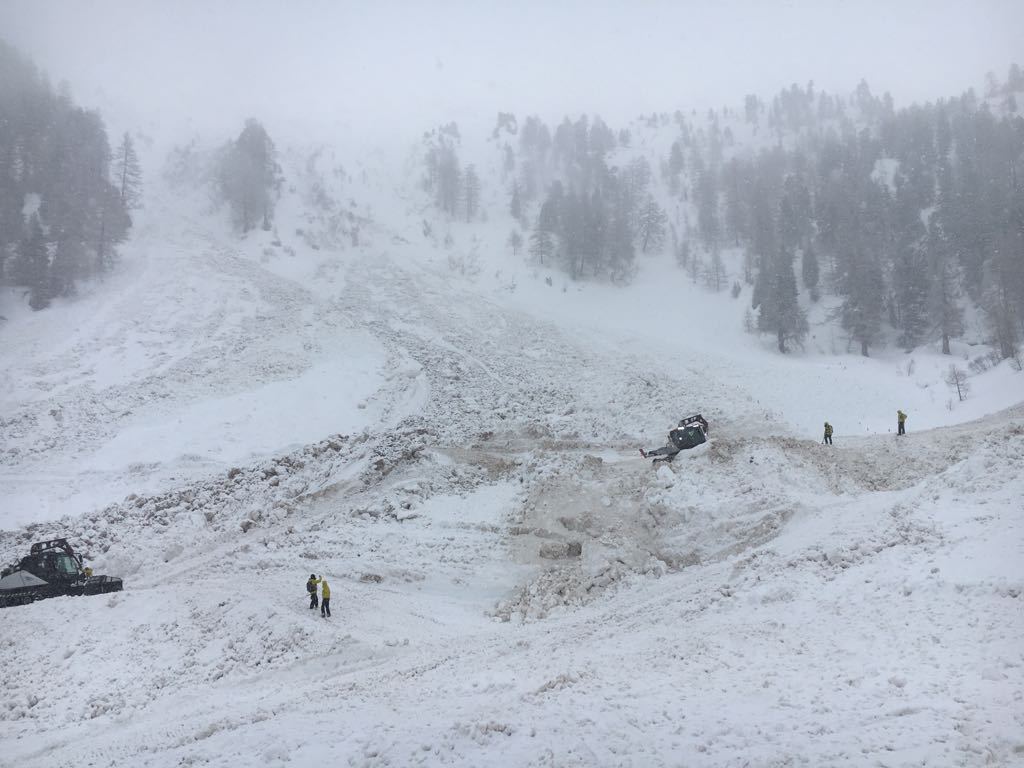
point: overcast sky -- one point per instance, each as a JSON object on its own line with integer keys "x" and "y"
{"x": 377, "y": 63}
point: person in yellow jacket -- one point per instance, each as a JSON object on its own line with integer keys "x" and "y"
{"x": 828, "y": 434}
{"x": 901, "y": 421}
{"x": 325, "y": 597}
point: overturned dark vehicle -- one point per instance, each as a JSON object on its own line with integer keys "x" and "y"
{"x": 690, "y": 432}
{"x": 51, "y": 569}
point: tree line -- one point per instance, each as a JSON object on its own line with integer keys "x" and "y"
{"x": 593, "y": 214}
{"x": 65, "y": 196}
{"x": 902, "y": 215}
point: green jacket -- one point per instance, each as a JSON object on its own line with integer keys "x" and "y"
{"x": 901, "y": 416}
{"x": 828, "y": 429}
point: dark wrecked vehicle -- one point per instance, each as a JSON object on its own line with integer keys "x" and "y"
{"x": 51, "y": 569}
{"x": 690, "y": 432}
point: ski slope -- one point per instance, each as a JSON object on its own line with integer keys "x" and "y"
{"x": 225, "y": 416}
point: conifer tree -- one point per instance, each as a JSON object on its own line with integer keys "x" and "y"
{"x": 911, "y": 283}
{"x": 810, "y": 272}
{"x": 67, "y": 266}
{"x": 471, "y": 194}
{"x": 515, "y": 241}
{"x": 944, "y": 309}
{"x": 651, "y": 226}
{"x": 542, "y": 245}
{"x": 248, "y": 176}
{"x": 33, "y": 266}
{"x": 776, "y": 297}
{"x": 864, "y": 289}
{"x": 127, "y": 173}
{"x": 715, "y": 275}
{"x": 515, "y": 206}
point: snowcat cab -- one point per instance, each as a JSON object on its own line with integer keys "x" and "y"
{"x": 691, "y": 432}
{"x": 52, "y": 568}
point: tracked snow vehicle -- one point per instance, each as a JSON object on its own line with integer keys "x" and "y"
{"x": 51, "y": 569}
{"x": 691, "y": 432}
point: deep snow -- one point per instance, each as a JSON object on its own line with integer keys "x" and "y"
{"x": 225, "y": 416}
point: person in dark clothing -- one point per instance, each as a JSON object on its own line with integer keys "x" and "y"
{"x": 901, "y": 421}
{"x": 828, "y": 434}
{"x": 311, "y": 588}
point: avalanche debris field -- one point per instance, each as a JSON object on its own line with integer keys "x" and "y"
{"x": 512, "y": 584}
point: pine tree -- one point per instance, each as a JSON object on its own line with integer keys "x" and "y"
{"x": 515, "y": 241}
{"x": 448, "y": 180}
{"x": 248, "y": 176}
{"x": 33, "y": 266}
{"x": 810, "y": 272}
{"x": 776, "y": 296}
{"x": 471, "y": 185}
{"x": 67, "y": 266}
{"x": 20, "y": 269}
{"x": 715, "y": 277}
{"x": 912, "y": 289}
{"x": 651, "y": 226}
{"x": 676, "y": 164}
{"x": 707, "y": 209}
{"x": 999, "y": 309}
{"x": 128, "y": 173}
{"x": 944, "y": 309}
{"x": 620, "y": 238}
{"x": 864, "y": 289}
{"x": 542, "y": 245}
{"x": 515, "y": 206}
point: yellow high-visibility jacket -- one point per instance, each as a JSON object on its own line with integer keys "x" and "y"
{"x": 325, "y": 589}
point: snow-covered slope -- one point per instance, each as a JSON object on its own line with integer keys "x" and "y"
{"x": 230, "y": 416}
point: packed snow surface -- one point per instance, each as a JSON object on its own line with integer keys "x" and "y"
{"x": 512, "y": 584}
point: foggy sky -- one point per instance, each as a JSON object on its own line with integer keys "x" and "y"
{"x": 401, "y": 67}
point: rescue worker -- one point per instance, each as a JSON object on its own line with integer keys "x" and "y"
{"x": 311, "y": 588}
{"x": 325, "y": 597}
{"x": 828, "y": 434}
{"x": 901, "y": 420}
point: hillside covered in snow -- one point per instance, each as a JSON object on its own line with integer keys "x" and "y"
{"x": 382, "y": 386}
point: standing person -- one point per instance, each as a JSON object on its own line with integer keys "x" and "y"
{"x": 325, "y": 597}
{"x": 311, "y": 588}
{"x": 901, "y": 421}
{"x": 828, "y": 434}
